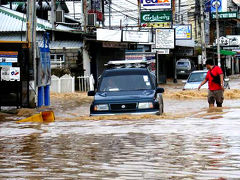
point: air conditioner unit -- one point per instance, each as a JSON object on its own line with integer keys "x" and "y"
{"x": 91, "y": 19}
{"x": 59, "y": 16}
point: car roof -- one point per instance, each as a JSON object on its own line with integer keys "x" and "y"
{"x": 200, "y": 71}
{"x": 122, "y": 71}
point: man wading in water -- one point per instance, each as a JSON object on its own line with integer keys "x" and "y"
{"x": 215, "y": 84}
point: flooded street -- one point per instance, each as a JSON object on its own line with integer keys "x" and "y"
{"x": 203, "y": 145}
{"x": 188, "y": 142}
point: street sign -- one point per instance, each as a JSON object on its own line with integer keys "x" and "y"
{"x": 216, "y": 3}
{"x": 156, "y": 4}
{"x": 165, "y": 38}
{"x": 183, "y": 32}
{"x": 226, "y": 15}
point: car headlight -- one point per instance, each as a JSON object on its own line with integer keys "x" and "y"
{"x": 101, "y": 107}
{"x": 145, "y": 105}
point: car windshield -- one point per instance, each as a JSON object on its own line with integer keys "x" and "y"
{"x": 197, "y": 77}
{"x": 183, "y": 63}
{"x": 130, "y": 82}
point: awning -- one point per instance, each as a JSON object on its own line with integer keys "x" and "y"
{"x": 237, "y": 2}
{"x": 227, "y": 53}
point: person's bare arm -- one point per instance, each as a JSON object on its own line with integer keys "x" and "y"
{"x": 204, "y": 82}
{"x": 222, "y": 81}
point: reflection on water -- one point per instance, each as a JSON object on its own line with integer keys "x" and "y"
{"x": 191, "y": 148}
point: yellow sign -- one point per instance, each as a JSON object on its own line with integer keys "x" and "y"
{"x": 157, "y": 25}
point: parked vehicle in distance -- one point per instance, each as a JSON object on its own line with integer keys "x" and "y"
{"x": 195, "y": 79}
{"x": 126, "y": 88}
{"x": 184, "y": 67}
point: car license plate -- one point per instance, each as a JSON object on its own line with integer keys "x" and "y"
{"x": 182, "y": 71}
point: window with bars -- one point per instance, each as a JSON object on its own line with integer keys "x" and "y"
{"x": 57, "y": 60}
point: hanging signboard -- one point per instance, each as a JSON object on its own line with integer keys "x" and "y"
{"x": 156, "y": 16}
{"x": 183, "y": 32}
{"x": 9, "y": 56}
{"x": 109, "y": 35}
{"x": 136, "y": 36}
{"x": 165, "y": 38}
{"x": 156, "y": 4}
{"x": 157, "y": 25}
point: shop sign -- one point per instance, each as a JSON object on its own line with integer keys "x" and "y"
{"x": 165, "y": 38}
{"x": 156, "y": 16}
{"x": 183, "y": 32}
{"x": 9, "y": 56}
{"x": 157, "y": 25}
{"x": 156, "y": 4}
{"x": 136, "y": 36}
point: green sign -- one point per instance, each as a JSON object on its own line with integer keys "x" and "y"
{"x": 226, "y": 15}
{"x": 156, "y": 16}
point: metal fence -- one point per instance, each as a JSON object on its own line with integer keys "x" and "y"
{"x": 64, "y": 84}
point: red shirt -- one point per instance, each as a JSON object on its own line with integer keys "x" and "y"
{"x": 212, "y": 86}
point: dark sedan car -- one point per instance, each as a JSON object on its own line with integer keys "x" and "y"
{"x": 126, "y": 91}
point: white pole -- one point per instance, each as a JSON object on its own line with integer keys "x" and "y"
{"x": 217, "y": 28}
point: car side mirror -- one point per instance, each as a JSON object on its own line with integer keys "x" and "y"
{"x": 159, "y": 90}
{"x": 91, "y": 93}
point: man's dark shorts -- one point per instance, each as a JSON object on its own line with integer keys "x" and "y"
{"x": 215, "y": 96}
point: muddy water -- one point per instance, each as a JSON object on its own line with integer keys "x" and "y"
{"x": 202, "y": 145}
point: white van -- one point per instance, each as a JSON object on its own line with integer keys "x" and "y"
{"x": 184, "y": 67}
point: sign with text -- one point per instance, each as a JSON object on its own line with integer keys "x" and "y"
{"x": 157, "y": 25}
{"x": 156, "y": 16}
{"x": 136, "y": 36}
{"x": 156, "y": 4}
{"x": 226, "y": 15}
{"x": 9, "y": 56}
{"x": 183, "y": 32}
{"x": 165, "y": 38}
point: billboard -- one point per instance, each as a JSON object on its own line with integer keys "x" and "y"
{"x": 183, "y": 32}
{"x": 156, "y": 16}
{"x": 165, "y": 38}
{"x": 156, "y": 4}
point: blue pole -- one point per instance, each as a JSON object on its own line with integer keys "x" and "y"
{"x": 40, "y": 96}
{"x": 47, "y": 95}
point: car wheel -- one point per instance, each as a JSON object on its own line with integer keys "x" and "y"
{"x": 161, "y": 106}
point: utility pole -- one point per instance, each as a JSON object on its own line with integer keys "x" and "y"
{"x": 179, "y": 11}
{"x": 109, "y": 11}
{"x": 53, "y": 18}
{"x": 217, "y": 28}
{"x": 103, "y": 17}
{"x": 203, "y": 36}
{"x": 139, "y": 14}
{"x": 84, "y": 14}
{"x": 31, "y": 39}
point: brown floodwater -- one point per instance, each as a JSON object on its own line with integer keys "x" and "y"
{"x": 189, "y": 142}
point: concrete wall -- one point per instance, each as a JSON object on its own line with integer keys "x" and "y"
{"x": 71, "y": 56}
